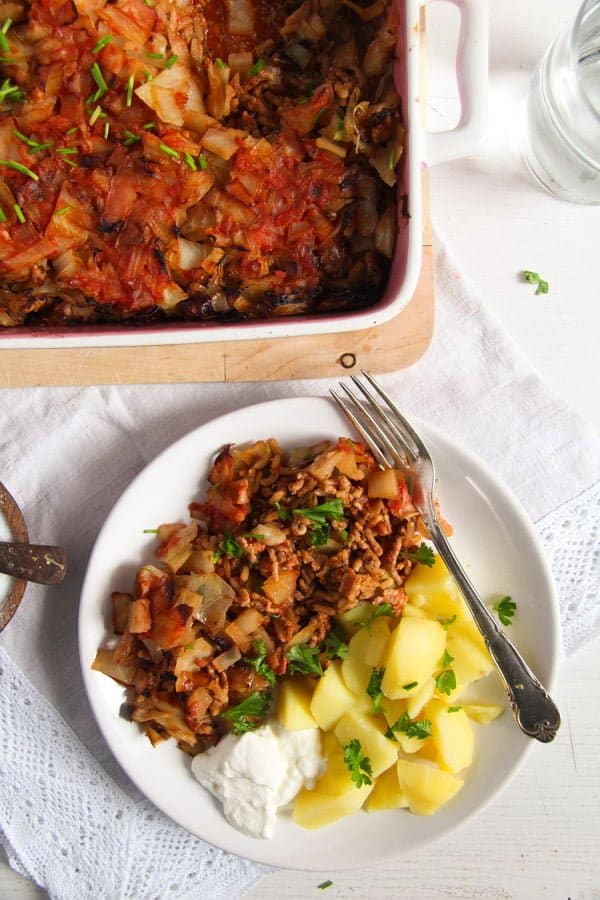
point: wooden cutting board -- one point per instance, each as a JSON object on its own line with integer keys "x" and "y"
{"x": 385, "y": 348}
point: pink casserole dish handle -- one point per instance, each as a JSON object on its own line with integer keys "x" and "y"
{"x": 472, "y": 79}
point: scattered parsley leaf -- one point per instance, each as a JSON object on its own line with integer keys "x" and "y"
{"x": 446, "y": 622}
{"x": 150, "y": 531}
{"x": 335, "y": 645}
{"x": 534, "y": 278}
{"x": 319, "y": 535}
{"x": 324, "y": 885}
{"x": 304, "y": 660}
{"x": 379, "y": 611}
{"x": 374, "y": 689}
{"x": 505, "y": 608}
{"x": 254, "y": 70}
{"x": 452, "y": 709}
{"x": 447, "y": 658}
{"x": 343, "y": 534}
{"x": 230, "y": 547}
{"x": 423, "y": 554}
{"x": 411, "y": 729}
{"x": 260, "y": 664}
{"x": 247, "y": 715}
{"x": 284, "y": 515}
{"x": 330, "y": 509}
{"x": 358, "y": 764}
{"x": 445, "y": 682}
{"x": 409, "y": 686}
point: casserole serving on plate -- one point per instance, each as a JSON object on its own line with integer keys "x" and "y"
{"x": 211, "y": 171}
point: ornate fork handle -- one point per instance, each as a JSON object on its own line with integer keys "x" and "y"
{"x": 534, "y": 709}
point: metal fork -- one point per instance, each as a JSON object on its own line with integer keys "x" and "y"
{"x": 395, "y": 443}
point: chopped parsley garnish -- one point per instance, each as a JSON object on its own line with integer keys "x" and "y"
{"x": 423, "y": 554}
{"x": 247, "y": 715}
{"x": 102, "y": 43}
{"x": 257, "y": 67}
{"x": 408, "y": 727}
{"x": 446, "y": 622}
{"x": 534, "y": 278}
{"x": 335, "y": 645}
{"x": 452, "y": 709}
{"x": 447, "y": 658}
{"x": 330, "y": 509}
{"x": 304, "y": 660}
{"x": 358, "y": 764}
{"x": 10, "y": 91}
{"x": 283, "y": 514}
{"x": 374, "y": 689}
{"x": 505, "y": 608}
{"x": 324, "y": 885}
{"x": 259, "y": 662}
{"x": 385, "y": 610}
{"x": 343, "y": 534}
{"x": 19, "y": 168}
{"x": 319, "y": 535}
{"x": 229, "y": 547}
{"x": 445, "y": 682}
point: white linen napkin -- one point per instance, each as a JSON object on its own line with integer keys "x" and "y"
{"x": 69, "y": 817}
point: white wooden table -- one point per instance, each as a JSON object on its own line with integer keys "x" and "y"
{"x": 541, "y": 838}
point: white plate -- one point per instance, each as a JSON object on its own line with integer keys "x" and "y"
{"x": 492, "y": 537}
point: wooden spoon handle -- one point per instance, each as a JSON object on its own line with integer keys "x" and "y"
{"x": 41, "y": 563}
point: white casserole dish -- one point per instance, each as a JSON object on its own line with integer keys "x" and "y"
{"x": 421, "y": 148}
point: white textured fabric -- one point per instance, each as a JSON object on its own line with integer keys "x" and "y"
{"x": 68, "y": 814}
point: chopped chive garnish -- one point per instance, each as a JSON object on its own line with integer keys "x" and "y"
{"x": 19, "y": 213}
{"x": 154, "y": 55}
{"x": 392, "y": 160}
{"x": 148, "y": 75}
{"x": 106, "y": 130}
{"x": 97, "y": 114}
{"x": 67, "y": 151}
{"x": 96, "y": 73}
{"x": 10, "y": 91}
{"x": 169, "y": 151}
{"x": 130, "y": 86}
{"x": 63, "y": 210}
{"x": 220, "y": 63}
{"x": 5, "y": 26}
{"x": 130, "y": 138}
{"x": 257, "y": 67}
{"x": 102, "y": 43}
{"x": 70, "y": 162}
{"x": 190, "y": 161}
{"x": 171, "y": 61}
{"x": 4, "y": 45}
{"x": 149, "y": 3}
{"x": 2, "y": 215}
{"x": 33, "y": 145}
{"x": 72, "y": 130}
{"x": 202, "y": 161}
{"x": 19, "y": 168}
{"x": 149, "y": 126}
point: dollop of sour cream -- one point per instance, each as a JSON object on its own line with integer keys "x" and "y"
{"x": 257, "y": 773}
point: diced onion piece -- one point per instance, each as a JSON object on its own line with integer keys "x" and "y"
{"x": 240, "y": 18}
{"x": 243, "y": 626}
{"x": 385, "y": 233}
{"x": 201, "y": 561}
{"x": 223, "y": 142}
{"x": 227, "y": 659}
{"x": 120, "y": 611}
{"x": 188, "y": 658}
{"x": 304, "y": 635}
{"x": 105, "y": 663}
{"x": 167, "y": 94}
{"x": 240, "y": 62}
{"x": 218, "y": 596}
{"x": 383, "y": 483}
{"x": 281, "y": 589}
{"x": 167, "y": 713}
{"x": 331, "y": 146}
{"x": 270, "y": 535}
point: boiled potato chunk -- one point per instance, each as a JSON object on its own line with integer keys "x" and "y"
{"x": 371, "y": 734}
{"x": 334, "y": 780}
{"x": 314, "y": 809}
{"x": 419, "y": 696}
{"x": 427, "y": 788}
{"x": 379, "y": 636}
{"x": 293, "y": 706}
{"x": 436, "y": 585}
{"x": 452, "y": 735}
{"x": 470, "y": 662}
{"x": 394, "y": 709}
{"x": 352, "y": 619}
{"x": 412, "y": 611}
{"x": 355, "y": 670}
{"x": 484, "y": 713}
{"x": 387, "y": 793}
{"x": 331, "y": 698}
{"x": 413, "y": 652}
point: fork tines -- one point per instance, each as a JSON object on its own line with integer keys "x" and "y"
{"x": 390, "y": 436}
